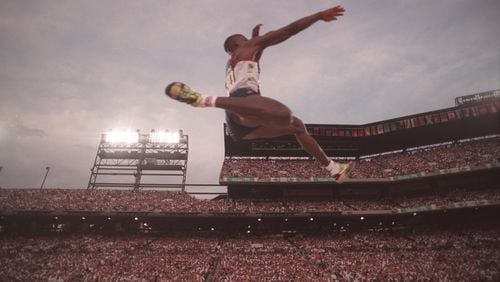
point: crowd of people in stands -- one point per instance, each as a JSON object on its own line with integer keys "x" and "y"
{"x": 463, "y": 255}
{"x": 431, "y": 160}
{"x": 162, "y": 201}
{"x": 96, "y": 257}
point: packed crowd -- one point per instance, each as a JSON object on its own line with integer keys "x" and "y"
{"x": 429, "y": 160}
{"x": 463, "y": 255}
{"x": 113, "y": 258}
{"x": 162, "y": 201}
{"x": 376, "y": 256}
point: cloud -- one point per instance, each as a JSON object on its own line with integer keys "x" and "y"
{"x": 18, "y": 129}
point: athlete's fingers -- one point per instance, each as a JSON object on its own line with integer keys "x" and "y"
{"x": 332, "y": 13}
{"x": 255, "y": 30}
{"x": 257, "y": 27}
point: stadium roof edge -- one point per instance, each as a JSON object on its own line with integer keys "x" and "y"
{"x": 393, "y": 119}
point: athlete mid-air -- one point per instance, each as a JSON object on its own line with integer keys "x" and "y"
{"x": 250, "y": 115}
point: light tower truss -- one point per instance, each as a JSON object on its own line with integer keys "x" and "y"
{"x": 156, "y": 160}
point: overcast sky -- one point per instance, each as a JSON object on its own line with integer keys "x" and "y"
{"x": 71, "y": 70}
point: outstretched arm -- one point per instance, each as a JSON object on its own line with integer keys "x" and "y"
{"x": 282, "y": 34}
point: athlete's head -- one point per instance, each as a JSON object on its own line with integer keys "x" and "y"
{"x": 233, "y": 41}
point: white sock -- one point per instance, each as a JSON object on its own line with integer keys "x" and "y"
{"x": 333, "y": 167}
{"x": 208, "y": 101}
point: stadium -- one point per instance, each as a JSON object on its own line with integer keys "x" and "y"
{"x": 250, "y": 140}
{"x": 421, "y": 204}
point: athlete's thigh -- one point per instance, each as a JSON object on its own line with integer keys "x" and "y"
{"x": 264, "y": 122}
{"x": 265, "y": 102}
{"x": 267, "y": 132}
{"x": 271, "y": 130}
{"x": 262, "y": 111}
{"x": 247, "y": 120}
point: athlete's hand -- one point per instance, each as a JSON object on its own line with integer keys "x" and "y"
{"x": 255, "y": 30}
{"x": 331, "y": 14}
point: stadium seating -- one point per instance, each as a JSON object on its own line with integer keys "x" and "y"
{"x": 424, "y": 255}
{"x": 470, "y": 154}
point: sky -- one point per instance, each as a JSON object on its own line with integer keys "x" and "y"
{"x": 70, "y": 70}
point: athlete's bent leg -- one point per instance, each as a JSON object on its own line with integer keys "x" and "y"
{"x": 297, "y": 128}
{"x": 309, "y": 144}
{"x": 337, "y": 170}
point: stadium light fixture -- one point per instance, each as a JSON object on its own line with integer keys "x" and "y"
{"x": 45, "y": 177}
{"x": 126, "y": 136}
{"x": 164, "y": 137}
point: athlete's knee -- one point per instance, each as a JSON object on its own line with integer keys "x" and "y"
{"x": 298, "y": 126}
{"x": 281, "y": 115}
{"x": 285, "y": 114}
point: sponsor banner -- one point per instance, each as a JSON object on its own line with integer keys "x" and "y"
{"x": 367, "y": 131}
{"x": 380, "y": 129}
{"x": 474, "y": 98}
{"x": 418, "y": 209}
{"x": 471, "y": 204}
{"x": 484, "y": 202}
{"x": 322, "y": 179}
{"x": 394, "y": 126}
{"x": 409, "y": 176}
{"x": 444, "y": 117}
{"x": 242, "y": 179}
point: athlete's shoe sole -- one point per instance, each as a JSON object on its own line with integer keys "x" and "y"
{"x": 345, "y": 171}
{"x": 183, "y": 93}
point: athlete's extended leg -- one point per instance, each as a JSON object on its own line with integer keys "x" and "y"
{"x": 263, "y": 110}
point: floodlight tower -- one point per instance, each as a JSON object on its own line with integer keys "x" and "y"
{"x": 127, "y": 159}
